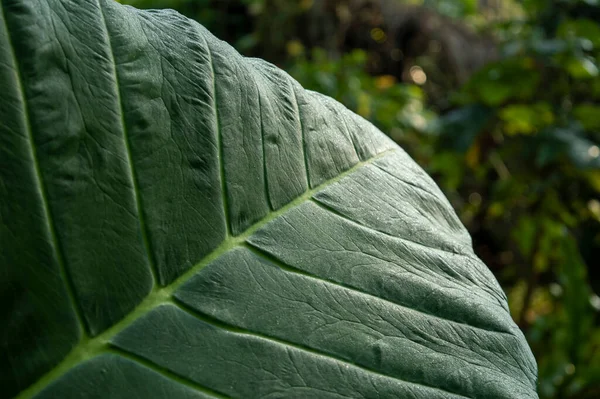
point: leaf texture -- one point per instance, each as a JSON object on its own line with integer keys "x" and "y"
{"x": 179, "y": 221}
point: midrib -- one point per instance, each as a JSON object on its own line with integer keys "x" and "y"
{"x": 90, "y": 347}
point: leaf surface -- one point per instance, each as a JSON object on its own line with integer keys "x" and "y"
{"x": 179, "y": 221}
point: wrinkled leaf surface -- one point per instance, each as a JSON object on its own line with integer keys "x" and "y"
{"x": 177, "y": 221}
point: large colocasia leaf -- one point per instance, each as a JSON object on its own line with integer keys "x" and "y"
{"x": 179, "y": 221}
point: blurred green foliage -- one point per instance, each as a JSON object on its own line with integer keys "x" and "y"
{"x": 398, "y": 109}
{"x": 515, "y": 147}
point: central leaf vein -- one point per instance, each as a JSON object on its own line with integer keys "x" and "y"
{"x": 91, "y": 347}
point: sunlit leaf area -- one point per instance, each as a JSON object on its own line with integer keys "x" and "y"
{"x": 500, "y": 102}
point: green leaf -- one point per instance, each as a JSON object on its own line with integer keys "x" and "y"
{"x": 178, "y": 221}
{"x": 580, "y": 28}
{"x": 526, "y": 118}
{"x": 510, "y": 78}
{"x": 461, "y": 127}
{"x": 581, "y": 67}
{"x": 587, "y": 115}
{"x": 570, "y": 142}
